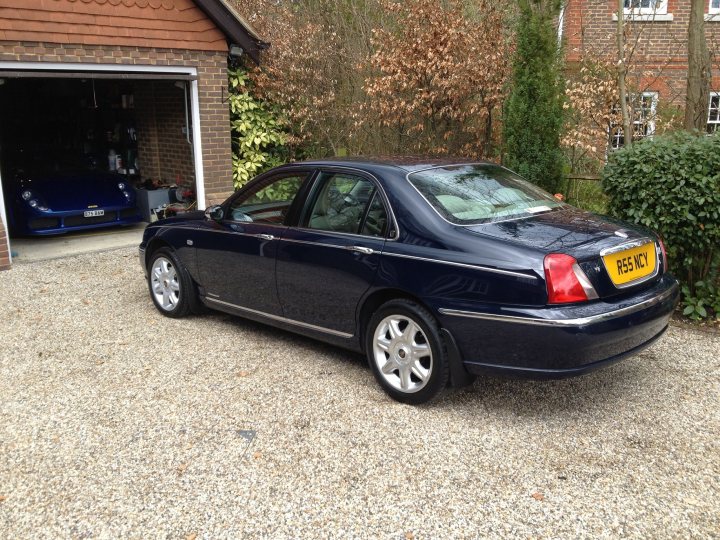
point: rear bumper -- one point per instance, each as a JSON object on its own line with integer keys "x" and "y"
{"x": 477, "y": 368}
{"x": 562, "y": 341}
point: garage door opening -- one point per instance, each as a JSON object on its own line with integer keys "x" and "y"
{"x": 81, "y": 155}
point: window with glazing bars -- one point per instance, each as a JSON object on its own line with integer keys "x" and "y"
{"x": 646, "y": 6}
{"x": 642, "y": 108}
{"x": 714, "y": 113}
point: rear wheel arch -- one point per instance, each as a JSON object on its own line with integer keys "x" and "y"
{"x": 376, "y": 299}
{"x": 459, "y": 376}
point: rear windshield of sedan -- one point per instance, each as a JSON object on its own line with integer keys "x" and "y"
{"x": 481, "y": 193}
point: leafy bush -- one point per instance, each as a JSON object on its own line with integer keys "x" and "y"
{"x": 671, "y": 184}
{"x": 258, "y": 137}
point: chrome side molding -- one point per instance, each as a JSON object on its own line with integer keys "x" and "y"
{"x": 281, "y": 319}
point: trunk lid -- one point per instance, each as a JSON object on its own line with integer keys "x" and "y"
{"x": 582, "y": 235}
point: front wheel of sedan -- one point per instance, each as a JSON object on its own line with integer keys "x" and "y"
{"x": 170, "y": 286}
{"x": 406, "y": 352}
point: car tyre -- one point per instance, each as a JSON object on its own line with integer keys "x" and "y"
{"x": 406, "y": 352}
{"x": 171, "y": 288}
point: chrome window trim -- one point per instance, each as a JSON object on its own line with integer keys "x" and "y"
{"x": 562, "y": 323}
{"x": 280, "y": 319}
{"x": 330, "y": 233}
{"x": 464, "y": 265}
{"x": 256, "y": 223}
{"x": 407, "y": 178}
{"x": 629, "y": 245}
{"x": 308, "y": 242}
{"x": 201, "y": 229}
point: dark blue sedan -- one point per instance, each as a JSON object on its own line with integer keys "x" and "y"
{"x": 436, "y": 270}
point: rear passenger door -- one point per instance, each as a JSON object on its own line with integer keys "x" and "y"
{"x": 327, "y": 263}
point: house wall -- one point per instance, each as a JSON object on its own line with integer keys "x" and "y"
{"x": 659, "y": 58}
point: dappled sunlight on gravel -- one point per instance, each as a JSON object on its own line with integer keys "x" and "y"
{"x": 116, "y": 421}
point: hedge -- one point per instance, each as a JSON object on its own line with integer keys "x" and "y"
{"x": 671, "y": 184}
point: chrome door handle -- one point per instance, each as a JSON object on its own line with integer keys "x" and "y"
{"x": 360, "y": 249}
{"x": 265, "y": 236}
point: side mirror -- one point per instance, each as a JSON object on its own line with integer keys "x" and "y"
{"x": 214, "y": 212}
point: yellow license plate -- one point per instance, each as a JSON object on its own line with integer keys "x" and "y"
{"x": 631, "y": 264}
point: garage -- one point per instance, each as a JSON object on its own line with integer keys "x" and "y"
{"x": 111, "y": 114}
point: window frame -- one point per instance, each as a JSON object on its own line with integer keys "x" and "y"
{"x": 661, "y": 8}
{"x": 649, "y": 121}
{"x": 393, "y": 229}
{"x": 713, "y": 10}
{"x": 716, "y": 122}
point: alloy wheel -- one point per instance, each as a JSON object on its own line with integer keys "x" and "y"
{"x": 165, "y": 284}
{"x": 402, "y": 353}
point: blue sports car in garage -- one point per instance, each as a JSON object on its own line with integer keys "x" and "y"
{"x": 43, "y": 200}
{"x": 436, "y": 270}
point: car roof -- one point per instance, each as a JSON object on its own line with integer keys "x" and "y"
{"x": 404, "y": 163}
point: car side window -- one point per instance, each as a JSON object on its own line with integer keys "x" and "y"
{"x": 269, "y": 202}
{"x": 348, "y": 204}
{"x": 375, "y": 222}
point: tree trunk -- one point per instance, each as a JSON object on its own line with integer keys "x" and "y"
{"x": 622, "y": 73}
{"x": 698, "y": 81}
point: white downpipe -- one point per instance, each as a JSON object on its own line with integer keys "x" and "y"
{"x": 197, "y": 145}
{"x": 561, "y": 23}
{"x": 3, "y": 216}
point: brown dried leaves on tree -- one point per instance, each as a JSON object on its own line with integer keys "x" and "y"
{"x": 438, "y": 77}
{"x": 377, "y": 76}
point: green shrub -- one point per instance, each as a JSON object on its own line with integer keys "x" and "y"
{"x": 258, "y": 136}
{"x": 671, "y": 184}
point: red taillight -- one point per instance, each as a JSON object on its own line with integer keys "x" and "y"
{"x": 566, "y": 282}
{"x": 664, "y": 254}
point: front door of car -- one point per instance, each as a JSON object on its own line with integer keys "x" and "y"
{"x": 327, "y": 263}
{"x": 236, "y": 255}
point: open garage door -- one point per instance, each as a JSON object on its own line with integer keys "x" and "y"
{"x": 94, "y": 150}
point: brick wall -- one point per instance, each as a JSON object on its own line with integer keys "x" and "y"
{"x": 659, "y": 47}
{"x": 659, "y": 59}
{"x": 163, "y": 149}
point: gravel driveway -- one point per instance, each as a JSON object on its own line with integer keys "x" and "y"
{"x": 116, "y": 421}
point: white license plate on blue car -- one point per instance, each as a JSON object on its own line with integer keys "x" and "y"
{"x": 94, "y": 213}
